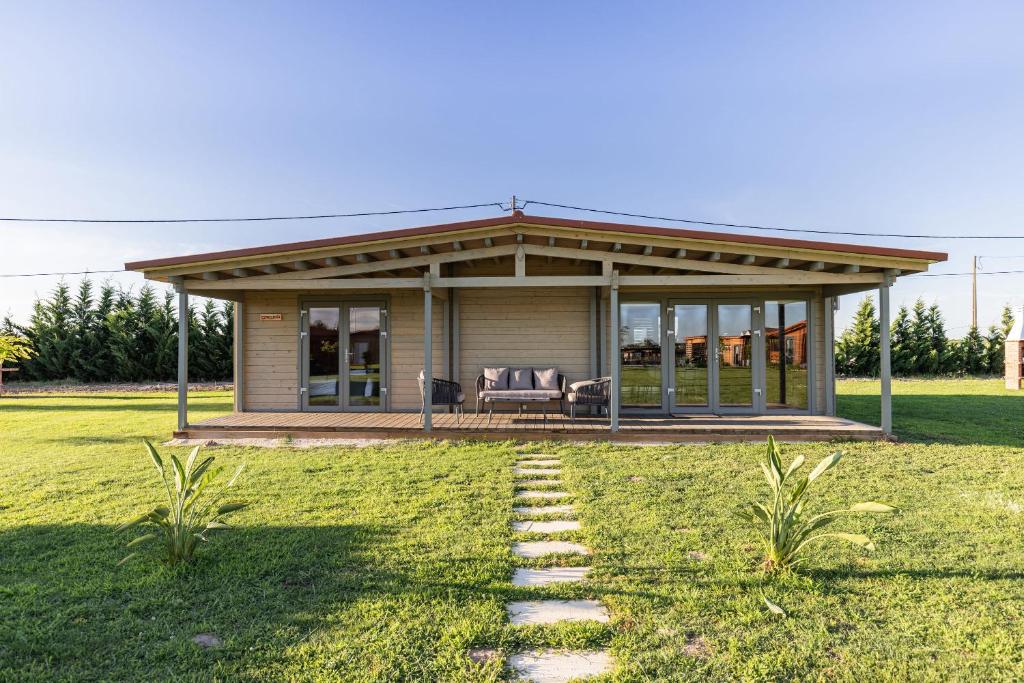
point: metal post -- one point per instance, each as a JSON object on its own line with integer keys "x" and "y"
{"x": 428, "y": 353}
{"x": 182, "y": 359}
{"x": 614, "y": 352}
{"x": 886, "y": 366}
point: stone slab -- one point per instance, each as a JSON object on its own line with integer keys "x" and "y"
{"x": 541, "y": 548}
{"x": 539, "y": 482}
{"x": 547, "y": 527}
{"x": 544, "y": 577}
{"x": 536, "y": 471}
{"x": 550, "y": 666}
{"x": 540, "y": 463}
{"x": 540, "y": 612}
{"x": 541, "y": 494}
{"x": 544, "y": 510}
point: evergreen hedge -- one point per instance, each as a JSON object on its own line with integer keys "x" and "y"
{"x": 919, "y": 345}
{"x": 117, "y": 336}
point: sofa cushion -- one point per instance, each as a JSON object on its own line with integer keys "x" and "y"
{"x": 545, "y": 378}
{"x": 521, "y": 394}
{"x": 520, "y": 379}
{"x": 495, "y": 378}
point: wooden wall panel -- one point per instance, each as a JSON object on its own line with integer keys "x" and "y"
{"x": 271, "y": 351}
{"x": 407, "y": 346}
{"x": 524, "y": 328}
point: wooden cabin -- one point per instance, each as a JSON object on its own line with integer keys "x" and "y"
{"x": 692, "y": 327}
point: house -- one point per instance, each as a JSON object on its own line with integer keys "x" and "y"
{"x": 691, "y": 325}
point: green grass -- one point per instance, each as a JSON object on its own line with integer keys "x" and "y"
{"x": 385, "y": 564}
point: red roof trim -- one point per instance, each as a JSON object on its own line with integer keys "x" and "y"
{"x": 537, "y": 221}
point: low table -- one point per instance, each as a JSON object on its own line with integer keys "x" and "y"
{"x": 522, "y": 404}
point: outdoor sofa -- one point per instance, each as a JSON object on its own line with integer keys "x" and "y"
{"x": 519, "y": 385}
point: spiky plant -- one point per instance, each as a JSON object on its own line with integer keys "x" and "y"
{"x": 191, "y": 511}
{"x": 784, "y": 528}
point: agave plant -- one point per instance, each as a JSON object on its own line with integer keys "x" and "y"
{"x": 782, "y": 524}
{"x": 191, "y": 513}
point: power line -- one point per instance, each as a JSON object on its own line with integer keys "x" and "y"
{"x": 765, "y": 227}
{"x": 980, "y": 272}
{"x": 73, "y": 272}
{"x": 251, "y": 218}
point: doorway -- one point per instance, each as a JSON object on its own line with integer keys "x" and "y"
{"x": 344, "y": 356}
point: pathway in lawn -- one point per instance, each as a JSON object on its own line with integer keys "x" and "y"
{"x": 549, "y": 666}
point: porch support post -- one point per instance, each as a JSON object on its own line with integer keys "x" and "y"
{"x": 182, "y": 359}
{"x": 886, "y": 364}
{"x": 830, "y": 357}
{"x": 239, "y": 357}
{"x": 428, "y": 354}
{"x": 613, "y": 400}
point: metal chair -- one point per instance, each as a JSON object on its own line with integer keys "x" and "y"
{"x": 596, "y": 393}
{"x": 442, "y": 393}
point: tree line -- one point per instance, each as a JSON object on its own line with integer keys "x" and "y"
{"x": 919, "y": 345}
{"x": 115, "y": 335}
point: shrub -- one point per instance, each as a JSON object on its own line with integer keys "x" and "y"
{"x": 782, "y": 525}
{"x": 191, "y": 512}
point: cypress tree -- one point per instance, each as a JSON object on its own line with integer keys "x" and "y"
{"x": 995, "y": 343}
{"x": 970, "y": 353}
{"x": 901, "y": 343}
{"x": 921, "y": 339}
{"x": 50, "y": 334}
{"x": 859, "y": 343}
{"x": 942, "y": 356}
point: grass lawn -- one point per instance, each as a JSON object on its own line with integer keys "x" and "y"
{"x": 387, "y": 564}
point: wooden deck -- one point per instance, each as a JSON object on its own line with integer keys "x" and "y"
{"x": 529, "y": 427}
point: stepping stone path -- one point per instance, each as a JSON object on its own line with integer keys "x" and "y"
{"x": 542, "y": 548}
{"x": 541, "y": 494}
{"x": 543, "y": 577}
{"x": 536, "y": 472}
{"x": 548, "y": 527}
{"x": 544, "y": 510}
{"x": 550, "y": 666}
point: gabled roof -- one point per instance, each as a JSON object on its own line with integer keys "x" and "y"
{"x": 519, "y": 219}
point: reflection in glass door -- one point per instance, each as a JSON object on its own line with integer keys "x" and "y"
{"x": 690, "y": 327}
{"x": 344, "y": 357}
{"x": 362, "y": 359}
{"x": 785, "y": 330}
{"x": 734, "y": 354}
{"x": 640, "y": 350}
{"x": 324, "y": 335}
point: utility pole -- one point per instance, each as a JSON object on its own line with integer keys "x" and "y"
{"x": 974, "y": 292}
{"x": 513, "y": 204}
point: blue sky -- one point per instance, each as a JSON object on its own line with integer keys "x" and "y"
{"x": 887, "y": 117}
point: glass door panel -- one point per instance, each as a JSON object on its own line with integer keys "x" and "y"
{"x": 691, "y": 355}
{"x": 734, "y": 356}
{"x": 785, "y": 331}
{"x": 640, "y": 349}
{"x": 363, "y": 357}
{"x": 324, "y": 339}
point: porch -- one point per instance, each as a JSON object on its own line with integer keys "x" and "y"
{"x": 532, "y": 426}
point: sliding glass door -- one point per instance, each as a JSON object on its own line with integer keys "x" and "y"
{"x": 344, "y": 354}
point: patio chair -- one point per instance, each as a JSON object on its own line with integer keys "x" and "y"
{"x": 590, "y": 392}
{"x": 442, "y": 393}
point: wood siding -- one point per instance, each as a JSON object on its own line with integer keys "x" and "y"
{"x": 271, "y": 380}
{"x": 407, "y": 346}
